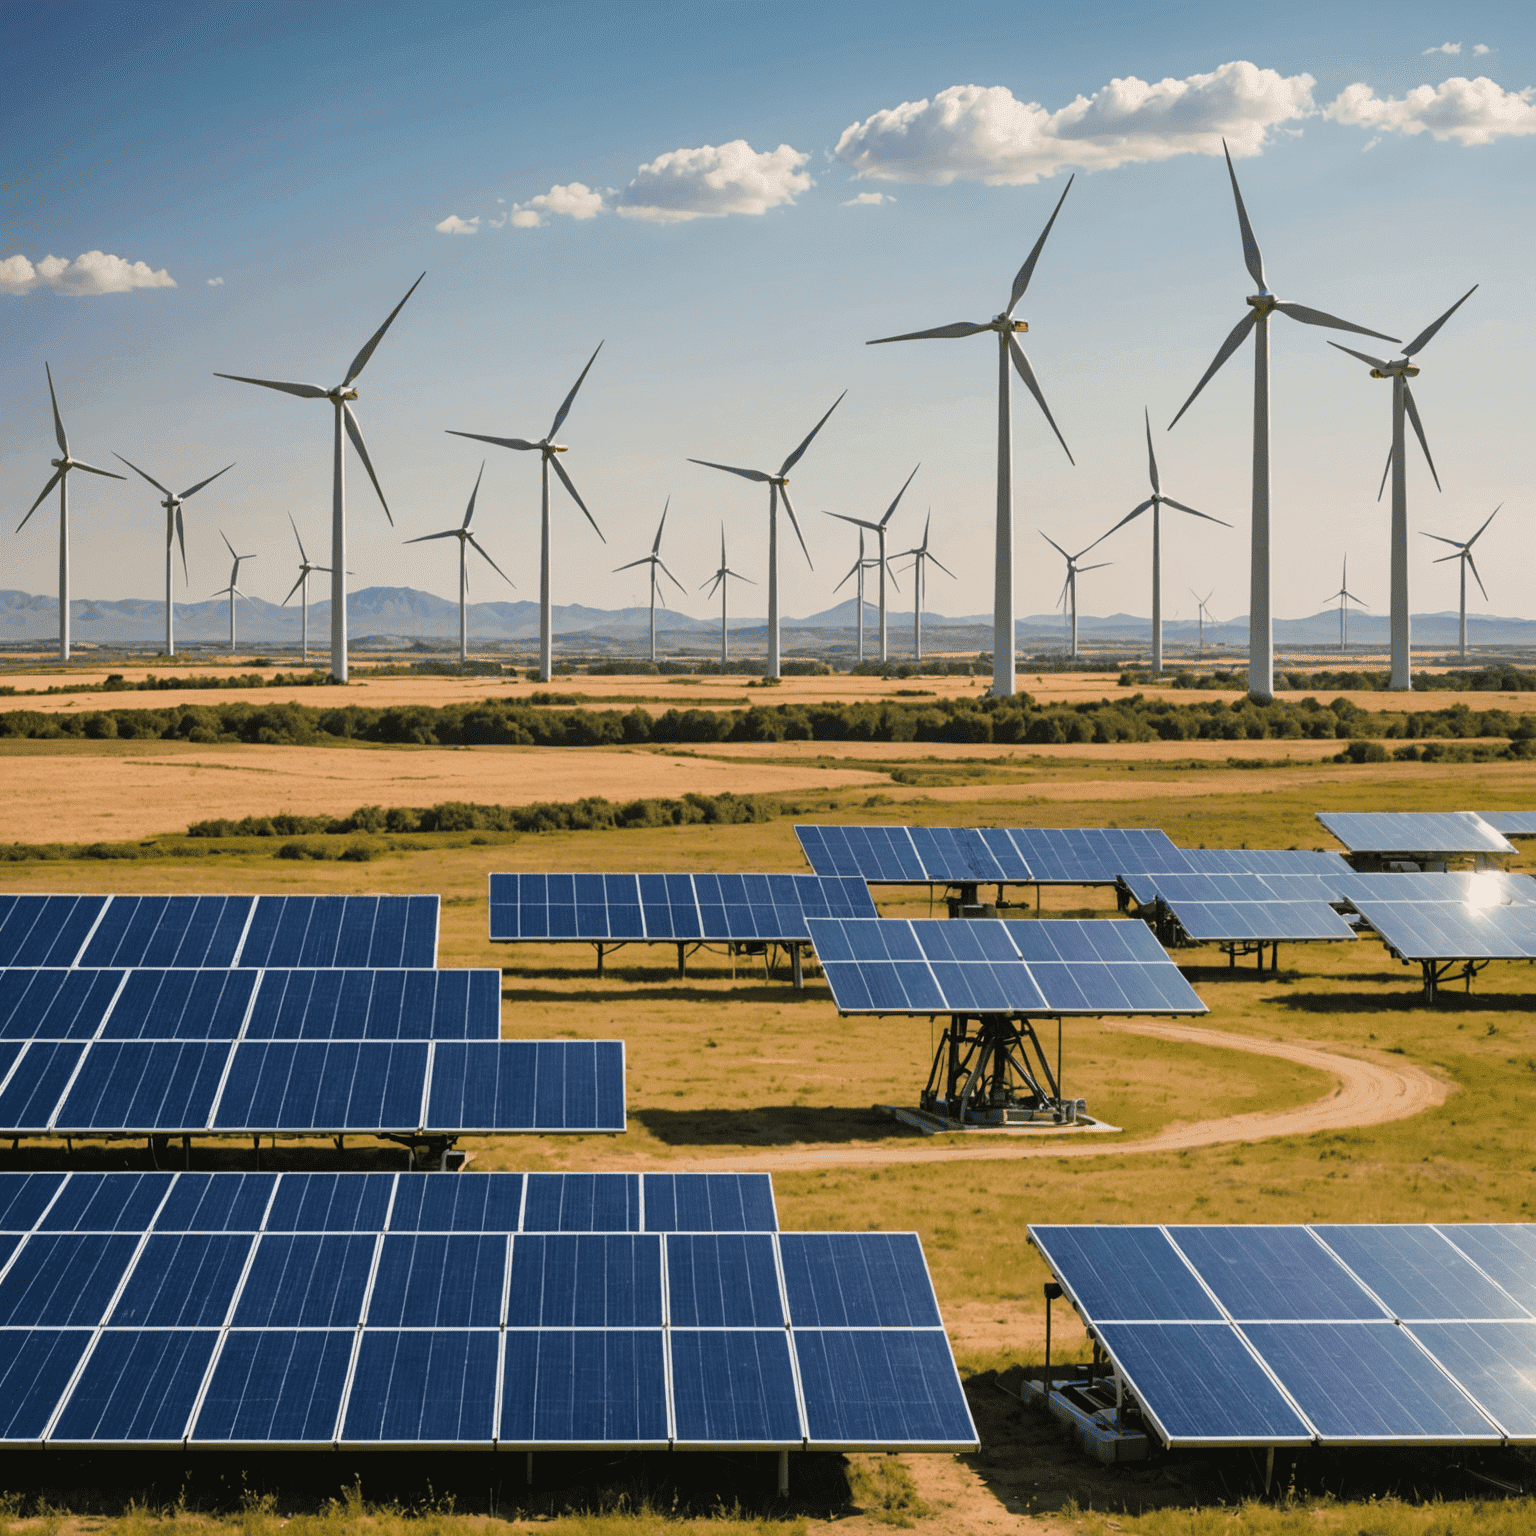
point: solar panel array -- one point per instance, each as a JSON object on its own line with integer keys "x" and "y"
{"x": 1343, "y": 1335}
{"x": 1050, "y": 966}
{"x": 1259, "y": 861}
{"x": 1410, "y": 832}
{"x": 1510, "y": 823}
{"x": 463, "y": 1312}
{"x": 635, "y": 908}
{"x": 1424, "y": 930}
{"x": 219, "y": 931}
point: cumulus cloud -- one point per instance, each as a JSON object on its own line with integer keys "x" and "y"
{"x": 215, "y": 282}
{"x": 869, "y": 200}
{"x": 1443, "y": 48}
{"x": 454, "y": 225}
{"x": 1481, "y": 48}
{"x": 984, "y": 133}
{"x": 1468, "y": 111}
{"x": 712, "y": 181}
{"x": 89, "y": 273}
{"x": 575, "y": 200}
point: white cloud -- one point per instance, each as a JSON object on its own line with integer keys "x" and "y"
{"x": 1443, "y": 48}
{"x": 869, "y": 200}
{"x": 575, "y": 200}
{"x": 1469, "y": 111}
{"x": 984, "y": 133}
{"x": 454, "y": 225}
{"x": 215, "y": 282}
{"x": 1481, "y": 48}
{"x": 712, "y": 181}
{"x": 91, "y": 272}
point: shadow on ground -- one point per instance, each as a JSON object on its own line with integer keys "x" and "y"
{"x": 772, "y": 1125}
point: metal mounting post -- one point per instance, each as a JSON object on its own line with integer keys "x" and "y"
{"x": 1052, "y": 1292}
{"x": 599, "y": 959}
{"x": 783, "y": 1473}
{"x": 682, "y": 953}
{"x": 796, "y": 969}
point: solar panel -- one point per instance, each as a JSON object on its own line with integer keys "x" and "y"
{"x": 1428, "y": 931}
{"x": 1509, "y": 823}
{"x": 46, "y": 930}
{"x": 1350, "y": 1335}
{"x": 1414, "y": 832}
{"x": 1485, "y": 888}
{"x": 1046, "y": 966}
{"x": 661, "y": 908}
{"x": 420, "y": 1310}
{"x": 1260, "y": 861}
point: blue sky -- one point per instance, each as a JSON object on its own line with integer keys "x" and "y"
{"x": 286, "y": 167}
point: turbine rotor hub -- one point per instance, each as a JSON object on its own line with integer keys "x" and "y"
{"x": 1263, "y": 303}
{"x": 343, "y": 392}
{"x": 1003, "y": 324}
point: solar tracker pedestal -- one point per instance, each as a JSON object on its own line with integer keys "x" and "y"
{"x": 991, "y": 1070}
{"x": 1437, "y": 971}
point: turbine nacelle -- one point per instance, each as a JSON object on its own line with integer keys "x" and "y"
{"x": 341, "y": 393}
{"x": 1401, "y": 368}
{"x": 1005, "y": 323}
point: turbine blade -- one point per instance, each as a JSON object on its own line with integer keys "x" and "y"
{"x": 1032, "y": 384}
{"x": 1374, "y": 362}
{"x": 58, "y": 475}
{"x": 300, "y": 542}
{"x": 891, "y": 575}
{"x": 1235, "y": 338}
{"x": 304, "y": 391}
{"x": 1098, "y": 567}
{"x": 361, "y": 360}
{"x": 853, "y": 570}
{"x": 899, "y": 494}
{"x": 1418, "y": 429}
{"x": 1443, "y": 558}
{"x": 1476, "y": 536}
{"x": 565, "y": 407}
{"x": 656, "y": 546}
{"x": 1386, "y": 470}
{"x": 1168, "y": 501}
{"x": 858, "y": 522}
{"x": 1362, "y": 602}
{"x": 355, "y": 432}
{"x": 670, "y": 577}
{"x": 938, "y": 333}
{"x": 1454, "y": 543}
{"x": 1135, "y": 512}
{"x": 294, "y": 588}
{"x": 739, "y": 577}
{"x": 1054, "y": 545}
{"x": 227, "y": 545}
{"x": 1427, "y": 334}
{"x": 58, "y": 421}
{"x": 1253, "y": 258}
{"x": 500, "y": 442}
{"x": 1151, "y": 456}
{"x": 1320, "y": 317}
{"x": 475, "y": 546}
{"x": 448, "y": 533}
{"x": 943, "y": 567}
{"x": 566, "y": 481}
{"x": 91, "y": 469}
{"x": 1479, "y": 580}
{"x": 181, "y": 537}
{"x": 713, "y": 583}
{"x": 643, "y": 560}
{"x": 730, "y": 469}
{"x": 799, "y": 452}
{"x": 1027, "y": 271}
{"x": 135, "y": 468}
{"x": 201, "y": 483}
{"x": 470, "y": 510}
{"x": 794, "y": 521}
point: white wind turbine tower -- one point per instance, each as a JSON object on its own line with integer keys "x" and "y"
{"x": 655, "y": 562}
{"x": 721, "y": 581}
{"x": 547, "y": 448}
{"x": 920, "y": 555}
{"x": 778, "y": 486}
{"x": 61, "y": 469}
{"x": 302, "y": 586}
{"x": 1006, "y": 327}
{"x": 1464, "y": 555}
{"x": 1345, "y": 597}
{"x": 1203, "y": 609}
{"x": 233, "y": 589}
{"x": 857, "y": 569}
{"x": 340, "y": 397}
{"x": 175, "y": 532}
{"x": 1156, "y": 502}
{"x": 1400, "y": 370}
{"x": 1261, "y": 305}
{"x": 1069, "y": 586}
{"x": 879, "y": 531}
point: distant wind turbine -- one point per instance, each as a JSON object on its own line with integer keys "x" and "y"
{"x": 1204, "y": 612}
{"x": 340, "y": 396}
{"x": 1261, "y": 629}
{"x": 778, "y": 487}
{"x": 1156, "y": 502}
{"x": 61, "y": 469}
{"x": 1345, "y": 597}
{"x": 1069, "y": 586}
{"x": 175, "y": 532}
{"x": 655, "y": 562}
{"x": 467, "y": 541}
{"x": 1006, "y": 327}
{"x": 233, "y": 589}
{"x": 1464, "y": 555}
{"x": 879, "y": 531}
{"x": 858, "y": 568}
{"x": 920, "y": 555}
{"x": 1400, "y": 370}
{"x": 721, "y": 582}
{"x": 302, "y": 585}
{"x": 547, "y": 448}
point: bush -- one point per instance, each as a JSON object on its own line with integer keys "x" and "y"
{"x": 1363, "y": 752}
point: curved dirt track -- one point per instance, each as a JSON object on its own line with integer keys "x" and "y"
{"x": 1372, "y": 1087}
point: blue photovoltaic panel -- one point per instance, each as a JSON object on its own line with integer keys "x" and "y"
{"x": 143, "y": 1085}
{"x": 660, "y": 908}
{"x": 183, "y": 1280}
{"x": 169, "y": 931}
{"x": 527, "y": 1085}
{"x": 490, "y": 1202}
{"x": 330, "y": 1202}
{"x": 1130, "y": 1274}
{"x": 1259, "y": 921}
{"x": 734, "y": 1388}
{"x": 377, "y": 1005}
{"x": 279, "y": 1387}
{"x": 883, "y": 855}
{"x": 106, "y": 1202}
{"x": 46, "y": 930}
{"x": 723, "y": 1281}
{"x": 309, "y": 1086}
{"x": 292, "y": 932}
{"x": 64, "y": 1280}
{"x": 55, "y": 1004}
{"x": 436, "y": 1388}
{"x": 1482, "y": 888}
{"x": 1510, "y": 823}
{"x": 873, "y": 1387}
{"x": 24, "y": 1197}
{"x": 1091, "y": 855}
{"x": 1453, "y": 931}
{"x": 1495, "y": 1362}
{"x": 1260, "y": 861}
{"x": 35, "y": 1367}
{"x": 1506, "y": 1254}
{"x": 37, "y": 1080}
{"x": 1411, "y": 832}
{"x": 179, "y": 1005}
{"x": 307, "y": 1280}
{"x": 709, "y": 1202}
{"x": 585, "y": 1280}
{"x": 138, "y": 1387}
{"x": 857, "y": 1280}
{"x": 582, "y": 1202}
{"x": 439, "y": 1280}
{"x": 1275, "y": 1274}
{"x": 223, "y": 1202}
{"x": 1418, "y": 1275}
{"x": 594, "y": 1387}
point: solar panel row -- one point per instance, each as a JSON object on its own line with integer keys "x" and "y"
{"x": 668, "y": 908}
{"x": 1453, "y": 930}
{"x": 1338, "y": 1334}
{"x": 209, "y": 931}
{"x": 1510, "y": 823}
{"x": 187, "y": 1087}
{"x": 1414, "y": 832}
{"x": 1013, "y": 967}
{"x": 1485, "y": 888}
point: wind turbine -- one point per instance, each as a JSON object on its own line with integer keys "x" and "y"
{"x": 778, "y": 486}
{"x": 1203, "y": 609}
{"x": 340, "y": 397}
{"x": 879, "y": 530}
{"x": 919, "y": 582}
{"x": 302, "y": 583}
{"x": 1464, "y": 555}
{"x": 547, "y": 448}
{"x": 233, "y": 589}
{"x": 1069, "y": 586}
{"x": 1400, "y": 370}
{"x": 175, "y": 532}
{"x": 655, "y": 562}
{"x": 61, "y": 469}
{"x": 1345, "y": 597}
{"x": 1006, "y": 327}
{"x": 858, "y": 568}
{"x": 1156, "y": 502}
{"x": 1261, "y": 305}
{"x": 721, "y": 580}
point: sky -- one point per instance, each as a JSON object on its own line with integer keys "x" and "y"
{"x": 733, "y": 198}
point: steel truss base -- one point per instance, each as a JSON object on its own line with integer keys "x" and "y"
{"x": 991, "y": 1070}
{"x": 737, "y": 947}
{"x": 1236, "y": 947}
{"x": 1437, "y": 971}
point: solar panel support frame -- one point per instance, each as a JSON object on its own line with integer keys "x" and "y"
{"x": 983, "y": 1074}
